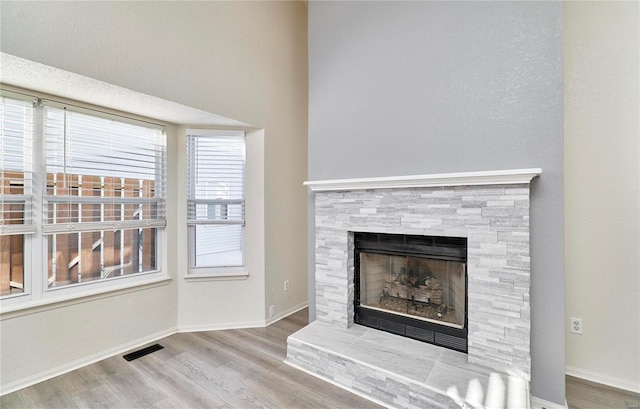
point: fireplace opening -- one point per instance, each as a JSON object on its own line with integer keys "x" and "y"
{"x": 414, "y": 286}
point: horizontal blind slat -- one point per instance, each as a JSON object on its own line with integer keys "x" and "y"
{"x": 101, "y": 226}
{"x": 124, "y": 165}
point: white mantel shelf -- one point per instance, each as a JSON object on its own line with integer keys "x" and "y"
{"x": 494, "y": 177}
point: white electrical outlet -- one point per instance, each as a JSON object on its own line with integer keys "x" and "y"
{"x": 286, "y": 285}
{"x": 272, "y": 311}
{"x": 576, "y": 325}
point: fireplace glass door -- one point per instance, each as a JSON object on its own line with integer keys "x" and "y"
{"x": 421, "y": 288}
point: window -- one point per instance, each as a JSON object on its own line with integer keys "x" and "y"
{"x": 97, "y": 185}
{"x": 104, "y": 196}
{"x": 215, "y": 206}
{"x": 16, "y": 147}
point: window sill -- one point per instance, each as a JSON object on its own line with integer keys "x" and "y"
{"x": 19, "y": 309}
{"x": 217, "y": 276}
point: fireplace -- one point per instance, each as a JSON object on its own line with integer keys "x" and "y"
{"x": 406, "y": 230}
{"x": 412, "y": 285}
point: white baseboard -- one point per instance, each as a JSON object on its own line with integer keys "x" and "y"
{"x": 79, "y": 363}
{"x": 612, "y": 381}
{"x": 286, "y": 313}
{"x": 538, "y": 403}
{"x": 243, "y": 324}
{"x": 221, "y": 326}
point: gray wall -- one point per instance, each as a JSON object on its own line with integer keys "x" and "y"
{"x": 400, "y": 88}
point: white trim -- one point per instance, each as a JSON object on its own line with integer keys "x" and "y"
{"x": 18, "y": 95}
{"x": 79, "y": 363}
{"x": 537, "y": 403}
{"x": 25, "y": 307}
{"x": 222, "y": 326}
{"x": 198, "y": 222}
{"x": 245, "y": 324}
{"x": 496, "y": 177}
{"x": 612, "y": 381}
{"x": 286, "y": 313}
{"x": 101, "y": 114}
{"x": 215, "y": 132}
{"x": 242, "y": 274}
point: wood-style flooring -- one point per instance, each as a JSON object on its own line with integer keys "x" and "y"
{"x": 582, "y": 394}
{"x": 229, "y": 369}
{"x": 214, "y": 369}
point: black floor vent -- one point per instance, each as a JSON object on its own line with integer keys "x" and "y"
{"x": 452, "y": 342}
{"x": 142, "y": 352}
{"x": 421, "y": 334}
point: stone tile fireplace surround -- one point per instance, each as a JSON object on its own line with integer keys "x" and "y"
{"x": 490, "y": 209}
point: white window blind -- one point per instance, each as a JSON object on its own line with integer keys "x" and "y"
{"x": 102, "y": 172}
{"x": 16, "y": 167}
{"x": 216, "y": 184}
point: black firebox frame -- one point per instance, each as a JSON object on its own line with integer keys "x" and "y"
{"x": 433, "y": 247}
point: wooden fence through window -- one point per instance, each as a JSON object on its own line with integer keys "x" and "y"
{"x": 11, "y": 247}
{"x": 83, "y": 256}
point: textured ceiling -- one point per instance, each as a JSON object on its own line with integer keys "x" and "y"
{"x": 31, "y": 75}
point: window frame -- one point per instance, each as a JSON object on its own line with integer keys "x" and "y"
{"x": 27, "y": 229}
{"x": 219, "y": 271}
{"x": 36, "y": 290}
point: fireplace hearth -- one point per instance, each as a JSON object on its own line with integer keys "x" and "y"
{"x": 412, "y": 285}
{"x": 478, "y": 286}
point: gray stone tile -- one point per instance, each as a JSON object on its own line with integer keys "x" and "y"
{"x": 495, "y": 219}
{"x": 454, "y": 358}
{"x": 395, "y": 361}
{"x": 445, "y": 377}
{"x": 377, "y": 362}
{"x": 329, "y": 336}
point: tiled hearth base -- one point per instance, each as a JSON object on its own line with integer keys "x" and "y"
{"x": 491, "y": 211}
{"x": 400, "y": 372}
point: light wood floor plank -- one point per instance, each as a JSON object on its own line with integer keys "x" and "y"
{"x": 100, "y": 397}
{"x": 195, "y": 345}
{"x": 168, "y": 403}
{"x": 12, "y": 400}
{"x": 51, "y": 400}
{"x": 240, "y": 348}
{"x": 231, "y": 389}
{"x": 180, "y": 389}
{"x": 135, "y": 390}
{"x": 583, "y": 394}
{"x": 53, "y": 393}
